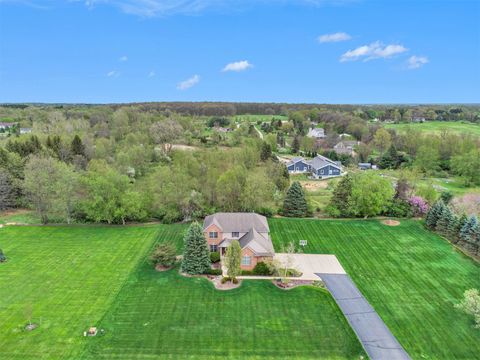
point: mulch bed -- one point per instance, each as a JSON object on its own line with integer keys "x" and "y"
{"x": 291, "y": 284}
{"x": 390, "y": 222}
{"x": 217, "y": 282}
{"x": 163, "y": 268}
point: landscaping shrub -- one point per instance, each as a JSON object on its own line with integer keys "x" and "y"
{"x": 247, "y": 272}
{"x": 235, "y": 280}
{"x": 225, "y": 279}
{"x": 164, "y": 254}
{"x": 265, "y": 211}
{"x": 262, "y": 269}
{"x": 399, "y": 208}
{"x": 213, "y": 272}
{"x": 214, "y": 257}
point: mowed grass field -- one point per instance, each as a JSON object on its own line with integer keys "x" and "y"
{"x": 64, "y": 279}
{"x": 412, "y": 278}
{"x": 436, "y": 127}
{"x": 76, "y": 277}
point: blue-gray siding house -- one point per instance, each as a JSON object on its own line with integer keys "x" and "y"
{"x": 320, "y": 167}
{"x": 298, "y": 165}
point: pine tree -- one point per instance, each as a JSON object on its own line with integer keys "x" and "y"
{"x": 341, "y": 196}
{"x": 468, "y": 234}
{"x": 196, "y": 257}
{"x": 444, "y": 220}
{"x": 266, "y": 151}
{"x": 452, "y": 228}
{"x": 458, "y": 226}
{"x": 433, "y": 214}
{"x": 295, "y": 144}
{"x": 77, "y": 146}
{"x": 7, "y": 191}
{"x": 295, "y": 204}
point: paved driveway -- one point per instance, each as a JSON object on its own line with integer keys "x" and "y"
{"x": 376, "y": 338}
{"x": 311, "y": 264}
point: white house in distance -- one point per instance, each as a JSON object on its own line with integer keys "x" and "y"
{"x": 316, "y": 133}
{"x": 320, "y": 167}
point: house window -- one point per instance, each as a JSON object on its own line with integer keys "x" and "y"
{"x": 247, "y": 260}
{"x": 297, "y": 168}
{"x": 235, "y": 234}
{"x": 331, "y": 171}
{"x": 213, "y": 248}
{"x": 213, "y": 235}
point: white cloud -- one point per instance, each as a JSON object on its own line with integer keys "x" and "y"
{"x": 237, "y": 66}
{"x": 151, "y": 74}
{"x": 187, "y": 84}
{"x": 415, "y": 62}
{"x": 123, "y": 58}
{"x": 113, "y": 73}
{"x": 335, "y": 37}
{"x": 374, "y": 50}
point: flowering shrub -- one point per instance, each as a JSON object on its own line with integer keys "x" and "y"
{"x": 419, "y": 205}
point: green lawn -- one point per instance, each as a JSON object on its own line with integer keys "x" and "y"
{"x": 68, "y": 277}
{"x": 76, "y": 277}
{"x": 410, "y": 276}
{"x": 436, "y": 127}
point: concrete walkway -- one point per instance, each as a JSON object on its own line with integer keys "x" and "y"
{"x": 374, "y": 335}
{"x": 311, "y": 264}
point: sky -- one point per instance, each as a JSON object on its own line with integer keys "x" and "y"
{"x": 295, "y": 51}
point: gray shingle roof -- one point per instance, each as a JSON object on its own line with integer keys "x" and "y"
{"x": 260, "y": 244}
{"x": 321, "y": 161}
{"x": 241, "y": 222}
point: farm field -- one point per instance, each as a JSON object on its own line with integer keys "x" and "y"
{"x": 436, "y": 127}
{"x": 76, "y": 277}
{"x": 410, "y": 276}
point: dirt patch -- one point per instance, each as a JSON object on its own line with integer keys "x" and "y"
{"x": 314, "y": 185}
{"x": 184, "y": 147}
{"x": 390, "y": 222}
{"x": 161, "y": 268}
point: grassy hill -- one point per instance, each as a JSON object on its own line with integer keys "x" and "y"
{"x": 436, "y": 127}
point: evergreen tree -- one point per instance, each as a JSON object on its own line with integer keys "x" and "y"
{"x": 295, "y": 144}
{"x": 469, "y": 234}
{"x": 266, "y": 151}
{"x": 295, "y": 204}
{"x": 459, "y": 225}
{"x": 77, "y": 146}
{"x": 444, "y": 220}
{"x": 433, "y": 214}
{"x": 232, "y": 259}
{"x": 7, "y": 191}
{"x": 341, "y": 196}
{"x": 196, "y": 257}
{"x": 3, "y": 258}
{"x": 446, "y": 196}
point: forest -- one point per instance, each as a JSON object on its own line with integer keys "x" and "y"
{"x": 173, "y": 162}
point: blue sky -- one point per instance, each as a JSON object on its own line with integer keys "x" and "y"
{"x": 102, "y": 51}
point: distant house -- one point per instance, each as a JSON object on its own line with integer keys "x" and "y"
{"x": 346, "y": 147}
{"x": 25, "y": 130}
{"x": 317, "y": 133}
{"x": 7, "y": 125}
{"x": 298, "y": 165}
{"x": 222, "y": 129}
{"x": 367, "y": 166}
{"x": 320, "y": 167}
{"x": 250, "y": 229}
{"x": 418, "y": 119}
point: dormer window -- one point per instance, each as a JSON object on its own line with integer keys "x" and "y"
{"x": 213, "y": 235}
{"x": 235, "y": 234}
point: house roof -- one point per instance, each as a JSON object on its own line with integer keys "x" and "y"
{"x": 237, "y": 222}
{"x": 321, "y": 161}
{"x": 347, "y": 143}
{"x": 295, "y": 160}
{"x": 260, "y": 244}
{"x": 316, "y": 132}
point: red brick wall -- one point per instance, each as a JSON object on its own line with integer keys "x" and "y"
{"x": 211, "y": 228}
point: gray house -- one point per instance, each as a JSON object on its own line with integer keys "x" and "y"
{"x": 320, "y": 167}
{"x": 316, "y": 133}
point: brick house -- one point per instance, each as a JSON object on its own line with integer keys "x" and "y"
{"x": 250, "y": 229}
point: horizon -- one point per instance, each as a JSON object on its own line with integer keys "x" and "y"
{"x": 286, "y": 51}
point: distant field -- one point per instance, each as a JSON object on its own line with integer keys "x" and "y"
{"x": 411, "y": 276}
{"x": 255, "y": 118}
{"x": 438, "y": 126}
